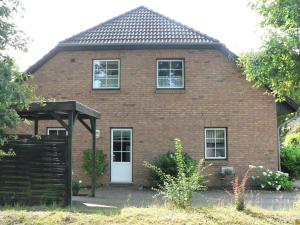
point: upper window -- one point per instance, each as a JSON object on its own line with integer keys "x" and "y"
{"x": 170, "y": 73}
{"x": 106, "y": 74}
{"x": 215, "y": 143}
{"x": 58, "y": 131}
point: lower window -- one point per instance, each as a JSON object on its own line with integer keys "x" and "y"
{"x": 215, "y": 143}
{"x": 57, "y": 131}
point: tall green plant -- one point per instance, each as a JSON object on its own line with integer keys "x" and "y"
{"x": 179, "y": 190}
{"x": 101, "y": 163}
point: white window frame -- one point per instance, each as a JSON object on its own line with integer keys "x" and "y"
{"x": 105, "y": 60}
{"x": 183, "y": 73}
{"x": 225, "y": 142}
{"x": 57, "y": 129}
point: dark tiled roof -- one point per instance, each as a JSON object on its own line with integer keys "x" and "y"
{"x": 140, "y": 26}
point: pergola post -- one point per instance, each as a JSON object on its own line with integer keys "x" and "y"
{"x": 69, "y": 159}
{"x": 36, "y": 127}
{"x": 93, "y": 126}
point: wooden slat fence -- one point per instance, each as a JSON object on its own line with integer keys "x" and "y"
{"x": 38, "y": 172}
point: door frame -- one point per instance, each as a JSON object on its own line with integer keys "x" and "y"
{"x": 110, "y": 152}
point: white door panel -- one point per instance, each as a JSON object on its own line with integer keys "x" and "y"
{"x": 121, "y": 155}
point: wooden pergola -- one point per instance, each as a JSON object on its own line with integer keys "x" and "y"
{"x": 69, "y": 111}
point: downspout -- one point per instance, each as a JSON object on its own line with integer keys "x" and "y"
{"x": 278, "y": 137}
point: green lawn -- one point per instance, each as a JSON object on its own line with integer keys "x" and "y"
{"x": 154, "y": 215}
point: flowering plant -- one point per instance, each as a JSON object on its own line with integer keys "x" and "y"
{"x": 76, "y": 185}
{"x": 270, "y": 180}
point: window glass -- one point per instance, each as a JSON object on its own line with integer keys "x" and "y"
{"x": 215, "y": 143}
{"x": 121, "y": 145}
{"x": 106, "y": 74}
{"x": 170, "y": 74}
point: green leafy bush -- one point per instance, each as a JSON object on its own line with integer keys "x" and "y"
{"x": 178, "y": 190}
{"x": 290, "y": 160}
{"x": 167, "y": 165}
{"x": 76, "y": 186}
{"x": 292, "y": 139}
{"x": 101, "y": 163}
{"x": 271, "y": 180}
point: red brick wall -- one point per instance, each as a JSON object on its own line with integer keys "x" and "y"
{"x": 215, "y": 95}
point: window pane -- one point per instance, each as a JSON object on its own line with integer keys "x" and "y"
{"x": 126, "y": 146}
{"x": 100, "y": 73}
{"x": 220, "y": 152}
{"x": 112, "y": 82}
{"x": 175, "y": 82}
{"x": 176, "y": 65}
{"x": 210, "y": 134}
{"x": 117, "y": 156}
{"x": 117, "y": 135}
{"x": 220, "y": 133}
{"x": 99, "y": 65}
{"x": 220, "y": 143}
{"x": 163, "y": 65}
{"x": 112, "y": 73}
{"x": 126, "y": 135}
{"x": 163, "y": 82}
{"x": 52, "y": 132}
{"x": 177, "y": 73}
{"x": 125, "y": 156}
{"x": 61, "y": 133}
{"x": 163, "y": 73}
{"x": 210, "y": 152}
{"x": 117, "y": 146}
{"x": 112, "y": 64}
{"x": 210, "y": 144}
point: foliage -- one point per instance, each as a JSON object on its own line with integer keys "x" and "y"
{"x": 14, "y": 94}
{"x": 76, "y": 186}
{"x": 101, "y": 163}
{"x": 239, "y": 190}
{"x": 179, "y": 190}
{"x": 277, "y": 64}
{"x": 297, "y": 204}
{"x": 290, "y": 160}
{"x": 292, "y": 139}
{"x": 167, "y": 165}
{"x": 271, "y": 180}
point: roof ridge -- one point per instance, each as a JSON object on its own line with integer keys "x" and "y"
{"x": 103, "y": 23}
{"x": 181, "y": 24}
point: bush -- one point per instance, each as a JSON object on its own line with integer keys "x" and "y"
{"x": 178, "y": 190}
{"x": 101, "y": 163}
{"x": 290, "y": 160}
{"x": 271, "y": 180}
{"x": 167, "y": 164}
{"x": 292, "y": 139}
{"x": 76, "y": 185}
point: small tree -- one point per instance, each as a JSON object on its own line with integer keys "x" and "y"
{"x": 179, "y": 190}
{"x": 101, "y": 163}
{"x": 14, "y": 93}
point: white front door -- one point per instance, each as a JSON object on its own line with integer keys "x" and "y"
{"x": 121, "y": 155}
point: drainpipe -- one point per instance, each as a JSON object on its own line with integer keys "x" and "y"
{"x": 278, "y": 137}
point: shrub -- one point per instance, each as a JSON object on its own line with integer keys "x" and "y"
{"x": 290, "y": 160}
{"x": 167, "y": 164}
{"x": 271, "y": 180}
{"x": 178, "y": 190}
{"x": 292, "y": 139}
{"x": 297, "y": 204}
{"x": 76, "y": 185}
{"x": 239, "y": 190}
{"x": 101, "y": 163}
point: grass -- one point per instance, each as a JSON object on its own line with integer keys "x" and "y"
{"x": 152, "y": 215}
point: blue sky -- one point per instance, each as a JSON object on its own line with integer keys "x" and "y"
{"x": 47, "y": 22}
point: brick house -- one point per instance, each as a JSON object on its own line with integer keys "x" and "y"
{"x": 154, "y": 79}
